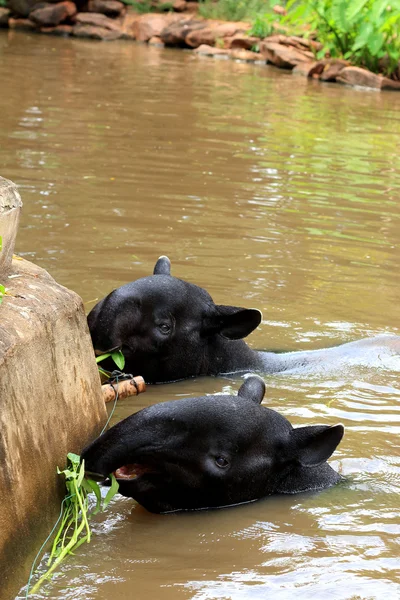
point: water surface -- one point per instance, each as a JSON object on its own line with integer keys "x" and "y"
{"x": 272, "y": 192}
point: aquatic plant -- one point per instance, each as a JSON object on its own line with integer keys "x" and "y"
{"x": 364, "y": 32}
{"x": 74, "y": 527}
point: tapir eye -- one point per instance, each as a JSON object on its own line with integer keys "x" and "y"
{"x": 221, "y": 462}
{"x": 164, "y": 328}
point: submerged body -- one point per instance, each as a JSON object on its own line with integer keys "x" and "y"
{"x": 169, "y": 329}
{"x": 213, "y": 451}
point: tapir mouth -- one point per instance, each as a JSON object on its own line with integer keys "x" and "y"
{"x": 131, "y": 472}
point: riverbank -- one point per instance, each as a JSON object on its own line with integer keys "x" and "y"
{"x": 182, "y": 27}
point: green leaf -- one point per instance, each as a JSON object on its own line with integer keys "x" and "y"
{"x": 119, "y": 359}
{"x": 375, "y": 43}
{"x": 354, "y": 8}
{"x": 103, "y": 357}
{"x": 74, "y": 458}
{"x": 112, "y": 491}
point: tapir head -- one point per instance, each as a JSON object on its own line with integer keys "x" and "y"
{"x": 213, "y": 451}
{"x": 169, "y": 329}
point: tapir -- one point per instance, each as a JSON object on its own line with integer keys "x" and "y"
{"x": 169, "y": 329}
{"x": 213, "y": 451}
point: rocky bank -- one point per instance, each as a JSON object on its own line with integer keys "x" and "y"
{"x": 182, "y": 27}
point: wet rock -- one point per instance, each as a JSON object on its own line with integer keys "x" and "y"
{"x": 156, "y": 41}
{"x": 176, "y": 33}
{"x": 192, "y": 7}
{"x": 110, "y": 8}
{"x": 242, "y": 41}
{"x": 150, "y": 25}
{"x": 296, "y": 42}
{"x": 95, "y": 32}
{"x": 212, "y": 32}
{"x": 53, "y": 14}
{"x": 286, "y": 57}
{"x": 60, "y": 30}
{"x": 200, "y": 37}
{"x": 246, "y": 55}
{"x": 97, "y": 20}
{"x": 22, "y": 8}
{"x": 360, "y": 77}
{"x": 4, "y": 16}
{"x": 390, "y": 84}
{"x": 332, "y": 68}
{"x": 24, "y": 24}
{"x": 127, "y": 26}
{"x": 308, "y": 69}
{"x": 211, "y": 51}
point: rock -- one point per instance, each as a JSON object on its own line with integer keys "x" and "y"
{"x": 390, "y": 84}
{"x": 283, "y": 56}
{"x": 127, "y": 25}
{"x": 361, "y": 77}
{"x": 211, "y": 51}
{"x": 97, "y": 20}
{"x": 4, "y": 16}
{"x": 246, "y": 55}
{"x": 22, "y": 8}
{"x": 110, "y": 8}
{"x": 53, "y": 14}
{"x": 192, "y": 7}
{"x": 201, "y": 37}
{"x": 332, "y": 68}
{"x": 150, "y": 25}
{"x": 175, "y": 34}
{"x": 242, "y": 41}
{"x": 61, "y": 30}
{"x": 25, "y": 24}
{"x": 156, "y": 41}
{"x": 295, "y": 41}
{"x": 179, "y": 5}
{"x": 308, "y": 69}
{"x": 96, "y": 32}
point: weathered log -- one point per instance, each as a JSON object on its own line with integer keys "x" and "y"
{"x": 124, "y": 389}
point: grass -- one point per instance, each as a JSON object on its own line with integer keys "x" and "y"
{"x": 233, "y": 10}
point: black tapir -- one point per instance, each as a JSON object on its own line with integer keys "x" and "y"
{"x": 213, "y": 451}
{"x": 169, "y": 329}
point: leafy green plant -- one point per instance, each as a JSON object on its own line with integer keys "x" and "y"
{"x": 365, "y": 32}
{"x": 117, "y": 357}
{"x": 147, "y": 6}
{"x": 74, "y": 529}
{"x": 232, "y": 10}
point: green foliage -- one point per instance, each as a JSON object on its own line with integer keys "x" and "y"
{"x": 232, "y": 10}
{"x": 2, "y": 292}
{"x": 74, "y": 529}
{"x": 3, "y": 2}
{"x": 117, "y": 357}
{"x": 362, "y": 31}
{"x": 146, "y": 6}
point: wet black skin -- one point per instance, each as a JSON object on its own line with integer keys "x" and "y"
{"x": 214, "y": 451}
{"x": 169, "y": 329}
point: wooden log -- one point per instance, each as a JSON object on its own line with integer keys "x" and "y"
{"x": 125, "y": 388}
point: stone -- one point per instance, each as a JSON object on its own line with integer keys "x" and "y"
{"x": 150, "y": 25}
{"x": 24, "y": 24}
{"x": 175, "y": 33}
{"x": 390, "y": 84}
{"x": 308, "y": 69}
{"x": 241, "y": 41}
{"x": 97, "y": 20}
{"x": 156, "y": 41}
{"x": 179, "y": 5}
{"x": 283, "y": 56}
{"x": 360, "y": 77}
{"x": 60, "y": 30}
{"x": 245, "y": 55}
{"x": 50, "y": 404}
{"x": 10, "y": 208}
{"x": 127, "y": 25}
{"x": 192, "y": 7}
{"x": 211, "y": 51}
{"x": 200, "y": 37}
{"x": 110, "y": 8}
{"x": 332, "y": 68}
{"x": 4, "y": 16}
{"x": 96, "y": 32}
{"x": 53, "y": 14}
{"x": 21, "y": 8}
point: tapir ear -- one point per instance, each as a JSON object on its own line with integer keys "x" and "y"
{"x": 162, "y": 266}
{"x": 315, "y": 444}
{"x": 252, "y": 389}
{"x": 236, "y": 323}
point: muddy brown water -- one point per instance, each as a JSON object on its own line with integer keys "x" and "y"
{"x": 272, "y": 192}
